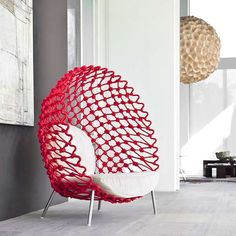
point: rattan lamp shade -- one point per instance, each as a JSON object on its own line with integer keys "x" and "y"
{"x": 199, "y": 49}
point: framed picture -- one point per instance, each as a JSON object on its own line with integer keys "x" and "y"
{"x": 16, "y": 62}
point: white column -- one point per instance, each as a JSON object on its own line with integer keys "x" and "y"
{"x": 140, "y": 40}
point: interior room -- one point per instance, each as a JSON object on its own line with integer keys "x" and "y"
{"x": 117, "y": 117}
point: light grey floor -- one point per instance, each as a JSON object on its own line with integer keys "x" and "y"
{"x": 198, "y": 209}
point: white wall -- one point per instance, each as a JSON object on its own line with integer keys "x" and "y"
{"x": 140, "y": 40}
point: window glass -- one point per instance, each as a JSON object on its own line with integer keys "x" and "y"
{"x": 221, "y": 15}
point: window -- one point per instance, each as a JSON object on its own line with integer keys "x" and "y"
{"x": 221, "y": 15}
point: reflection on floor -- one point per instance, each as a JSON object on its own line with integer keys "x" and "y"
{"x": 197, "y": 210}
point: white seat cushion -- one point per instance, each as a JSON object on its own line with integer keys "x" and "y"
{"x": 84, "y": 148}
{"x": 127, "y": 185}
{"x": 81, "y": 141}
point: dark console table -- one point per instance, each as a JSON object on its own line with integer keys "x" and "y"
{"x": 223, "y": 168}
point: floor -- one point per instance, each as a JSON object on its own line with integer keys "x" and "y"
{"x": 199, "y": 209}
{"x": 200, "y": 179}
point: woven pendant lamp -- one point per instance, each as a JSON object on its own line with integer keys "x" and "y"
{"x": 199, "y": 49}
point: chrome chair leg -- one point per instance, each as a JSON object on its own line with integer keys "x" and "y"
{"x": 99, "y": 205}
{"x": 90, "y": 215}
{"x": 48, "y": 204}
{"x": 154, "y": 202}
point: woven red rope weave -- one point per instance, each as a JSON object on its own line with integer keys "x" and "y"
{"x": 107, "y": 109}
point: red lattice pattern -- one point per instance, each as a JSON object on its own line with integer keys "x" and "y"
{"x": 107, "y": 109}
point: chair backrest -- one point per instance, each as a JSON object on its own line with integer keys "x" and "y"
{"x": 109, "y": 112}
{"x": 70, "y": 145}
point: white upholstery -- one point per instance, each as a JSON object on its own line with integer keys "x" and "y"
{"x": 84, "y": 148}
{"x": 127, "y": 185}
{"x": 123, "y": 185}
{"x": 83, "y": 144}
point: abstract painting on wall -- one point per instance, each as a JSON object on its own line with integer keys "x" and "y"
{"x": 16, "y": 62}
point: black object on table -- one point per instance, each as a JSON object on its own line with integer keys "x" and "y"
{"x": 223, "y": 168}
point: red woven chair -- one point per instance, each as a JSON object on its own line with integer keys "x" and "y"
{"x": 96, "y": 140}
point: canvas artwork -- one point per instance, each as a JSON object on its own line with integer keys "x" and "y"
{"x": 16, "y": 62}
